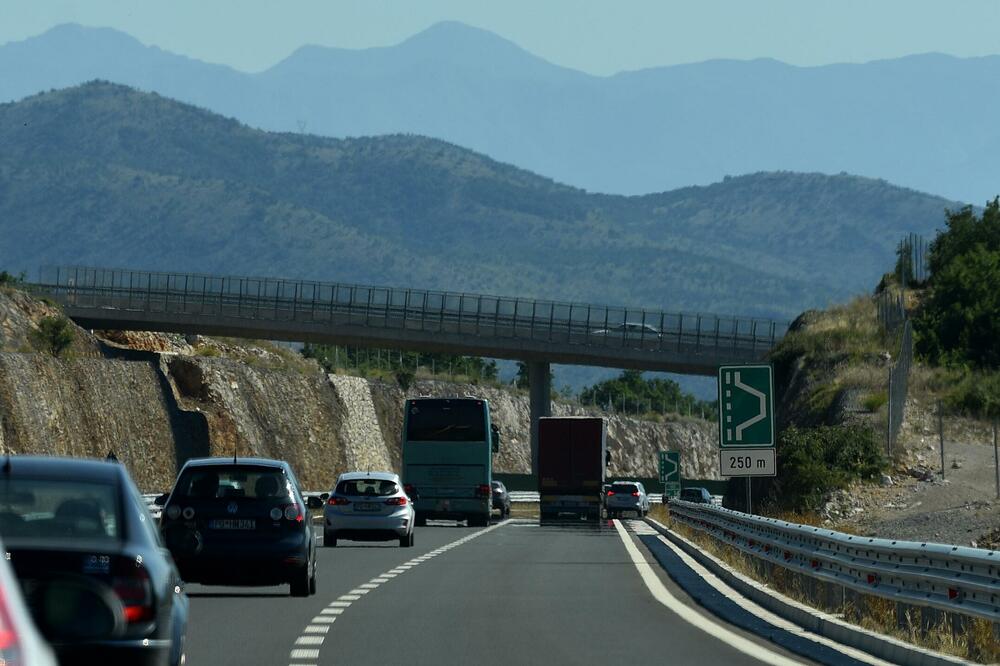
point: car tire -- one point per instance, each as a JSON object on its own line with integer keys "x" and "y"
{"x": 312, "y": 584}
{"x": 329, "y": 539}
{"x": 300, "y": 584}
{"x": 406, "y": 541}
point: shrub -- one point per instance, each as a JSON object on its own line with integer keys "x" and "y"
{"x": 405, "y": 378}
{"x": 976, "y": 394}
{"x": 54, "y": 335}
{"x": 875, "y": 401}
{"x": 812, "y": 462}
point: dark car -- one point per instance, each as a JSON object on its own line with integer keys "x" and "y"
{"x": 697, "y": 495}
{"x": 240, "y": 522}
{"x": 501, "y": 498}
{"x": 88, "y": 556}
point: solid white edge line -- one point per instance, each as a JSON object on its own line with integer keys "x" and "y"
{"x": 755, "y": 609}
{"x": 692, "y": 617}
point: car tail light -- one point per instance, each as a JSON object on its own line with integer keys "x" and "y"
{"x": 338, "y": 501}
{"x": 10, "y": 645}
{"x": 134, "y": 589}
{"x": 293, "y": 512}
{"x": 635, "y": 493}
{"x": 173, "y": 512}
{"x": 610, "y": 493}
{"x": 396, "y": 501}
{"x": 483, "y": 490}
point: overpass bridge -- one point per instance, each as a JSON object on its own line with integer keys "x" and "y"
{"x": 538, "y": 332}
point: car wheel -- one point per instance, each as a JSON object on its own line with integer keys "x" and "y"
{"x": 329, "y": 539}
{"x": 406, "y": 541}
{"x": 300, "y": 584}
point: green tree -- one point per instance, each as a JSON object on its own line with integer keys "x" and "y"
{"x": 959, "y": 321}
{"x": 54, "y": 335}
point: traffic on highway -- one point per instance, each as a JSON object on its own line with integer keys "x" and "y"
{"x": 244, "y": 567}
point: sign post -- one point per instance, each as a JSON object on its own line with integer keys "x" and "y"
{"x": 670, "y": 472}
{"x": 746, "y": 422}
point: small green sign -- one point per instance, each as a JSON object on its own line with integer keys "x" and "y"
{"x": 670, "y": 467}
{"x": 746, "y": 406}
{"x": 672, "y": 488}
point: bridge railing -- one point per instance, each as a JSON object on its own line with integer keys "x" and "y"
{"x": 412, "y": 309}
{"x": 949, "y": 578}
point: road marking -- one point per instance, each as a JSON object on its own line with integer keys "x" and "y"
{"x": 689, "y": 615}
{"x": 315, "y": 632}
{"x": 759, "y": 611}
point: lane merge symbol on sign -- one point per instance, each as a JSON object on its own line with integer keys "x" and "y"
{"x": 670, "y": 472}
{"x": 746, "y": 406}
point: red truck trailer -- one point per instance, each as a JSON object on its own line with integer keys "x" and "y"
{"x": 572, "y": 458}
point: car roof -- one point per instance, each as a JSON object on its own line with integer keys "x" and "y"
{"x": 84, "y": 469}
{"x": 222, "y": 461}
{"x": 381, "y": 476}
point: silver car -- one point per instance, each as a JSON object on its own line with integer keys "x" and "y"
{"x": 23, "y": 644}
{"x": 625, "y": 496}
{"x": 368, "y": 506}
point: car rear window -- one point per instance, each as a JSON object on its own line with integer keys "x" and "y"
{"x": 232, "y": 481}
{"x": 625, "y": 488}
{"x": 369, "y": 487}
{"x": 691, "y": 494}
{"x": 59, "y": 510}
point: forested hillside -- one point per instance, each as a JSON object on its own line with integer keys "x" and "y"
{"x": 102, "y": 174}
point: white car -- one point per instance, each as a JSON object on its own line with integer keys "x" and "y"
{"x": 625, "y": 496}
{"x": 23, "y": 644}
{"x": 368, "y": 506}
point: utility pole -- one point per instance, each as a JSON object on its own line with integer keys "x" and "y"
{"x": 941, "y": 435}
{"x": 996, "y": 457}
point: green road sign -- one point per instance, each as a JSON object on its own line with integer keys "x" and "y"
{"x": 672, "y": 488}
{"x": 670, "y": 466}
{"x": 746, "y": 406}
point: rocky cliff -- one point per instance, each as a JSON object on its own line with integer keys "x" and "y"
{"x": 168, "y": 400}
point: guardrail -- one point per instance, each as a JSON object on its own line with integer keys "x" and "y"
{"x": 949, "y": 578}
{"x": 307, "y": 302}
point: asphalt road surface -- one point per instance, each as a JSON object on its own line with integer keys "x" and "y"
{"x": 514, "y": 593}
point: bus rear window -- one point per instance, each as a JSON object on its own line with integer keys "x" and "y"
{"x": 446, "y": 421}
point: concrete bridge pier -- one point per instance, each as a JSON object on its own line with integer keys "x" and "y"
{"x": 540, "y": 394}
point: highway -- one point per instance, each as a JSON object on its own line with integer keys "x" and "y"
{"x": 513, "y": 593}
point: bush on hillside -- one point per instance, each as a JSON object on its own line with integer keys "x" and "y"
{"x": 53, "y": 335}
{"x": 812, "y": 462}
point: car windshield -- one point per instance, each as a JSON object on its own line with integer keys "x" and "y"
{"x": 625, "y": 488}
{"x": 61, "y": 510}
{"x": 230, "y": 481}
{"x": 367, "y": 487}
{"x": 446, "y": 421}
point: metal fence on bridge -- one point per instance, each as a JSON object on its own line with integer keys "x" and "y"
{"x": 310, "y": 302}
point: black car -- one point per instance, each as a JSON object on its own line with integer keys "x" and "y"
{"x": 96, "y": 578}
{"x": 697, "y": 495}
{"x": 240, "y": 522}
{"x": 501, "y": 498}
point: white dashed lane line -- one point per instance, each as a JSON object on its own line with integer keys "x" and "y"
{"x": 306, "y": 650}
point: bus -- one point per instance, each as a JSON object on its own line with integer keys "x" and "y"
{"x": 448, "y": 447}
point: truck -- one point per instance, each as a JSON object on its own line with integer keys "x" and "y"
{"x": 572, "y": 460}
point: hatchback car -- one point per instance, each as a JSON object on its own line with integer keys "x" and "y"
{"x": 240, "y": 522}
{"x": 629, "y": 331}
{"x": 20, "y": 642}
{"x": 501, "y": 498}
{"x": 697, "y": 495}
{"x": 95, "y": 576}
{"x": 625, "y": 496}
{"x": 368, "y": 506}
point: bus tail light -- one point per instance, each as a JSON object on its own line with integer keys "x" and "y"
{"x": 396, "y": 501}
{"x": 483, "y": 490}
{"x": 409, "y": 489}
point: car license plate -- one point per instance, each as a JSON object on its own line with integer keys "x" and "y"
{"x": 233, "y": 524}
{"x": 366, "y": 506}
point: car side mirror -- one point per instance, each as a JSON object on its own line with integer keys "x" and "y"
{"x": 161, "y": 499}
{"x": 607, "y": 458}
{"x": 314, "y": 502}
{"x": 495, "y": 438}
{"x": 324, "y": 496}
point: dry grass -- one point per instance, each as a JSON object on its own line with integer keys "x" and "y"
{"x": 972, "y": 638}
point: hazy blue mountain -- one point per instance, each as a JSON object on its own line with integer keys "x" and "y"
{"x": 925, "y": 121}
{"x": 102, "y": 174}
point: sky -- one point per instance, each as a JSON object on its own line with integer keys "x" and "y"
{"x": 596, "y": 37}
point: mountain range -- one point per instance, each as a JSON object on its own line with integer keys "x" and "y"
{"x": 102, "y": 174}
{"x": 926, "y": 121}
